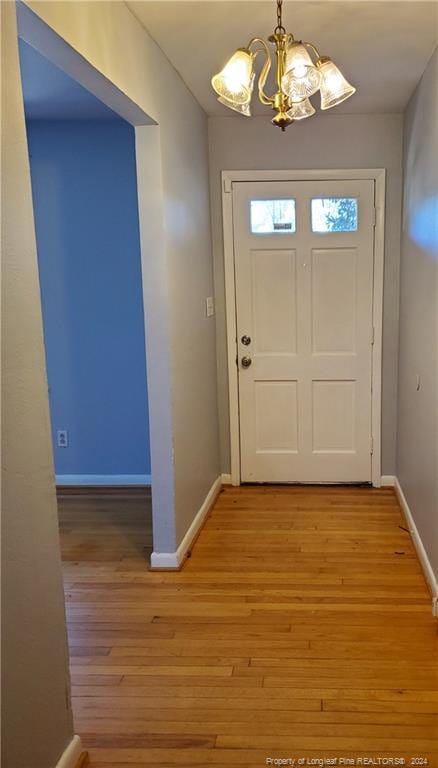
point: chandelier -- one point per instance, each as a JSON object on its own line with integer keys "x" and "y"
{"x": 297, "y": 77}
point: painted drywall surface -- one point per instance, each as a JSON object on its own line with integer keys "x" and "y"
{"x": 37, "y": 720}
{"x": 49, "y": 94}
{"x": 324, "y": 141}
{"x": 86, "y": 216}
{"x": 108, "y": 36}
{"x": 156, "y": 303}
{"x": 417, "y": 436}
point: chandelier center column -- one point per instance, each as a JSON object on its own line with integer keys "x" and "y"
{"x": 280, "y": 100}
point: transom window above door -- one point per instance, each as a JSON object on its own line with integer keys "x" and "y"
{"x": 327, "y": 214}
{"x": 272, "y": 216}
{"x": 334, "y": 214}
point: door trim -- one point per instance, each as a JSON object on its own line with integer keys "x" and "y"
{"x": 378, "y": 175}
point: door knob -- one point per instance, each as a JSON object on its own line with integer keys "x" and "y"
{"x": 246, "y": 361}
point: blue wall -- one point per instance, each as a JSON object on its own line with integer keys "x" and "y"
{"x": 86, "y": 216}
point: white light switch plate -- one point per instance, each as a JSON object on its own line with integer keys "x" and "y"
{"x": 209, "y": 306}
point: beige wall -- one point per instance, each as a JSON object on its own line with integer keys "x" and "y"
{"x": 37, "y": 721}
{"x": 324, "y": 141}
{"x": 110, "y": 38}
{"x": 417, "y": 438}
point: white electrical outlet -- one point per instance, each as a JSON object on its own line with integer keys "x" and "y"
{"x": 209, "y": 306}
{"x": 62, "y": 438}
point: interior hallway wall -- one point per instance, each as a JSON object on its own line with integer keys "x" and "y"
{"x": 417, "y": 437}
{"x": 323, "y": 141}
{"x": 139, "y": 69}
{"x": 86, "y": 216}
{"x": 37, "y": 721}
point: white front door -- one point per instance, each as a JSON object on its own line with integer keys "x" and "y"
{"x": 304, "y": 305}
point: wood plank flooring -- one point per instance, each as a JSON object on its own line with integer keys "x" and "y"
{"x": 105, "y": 524}
{"x": 300, "y": 627}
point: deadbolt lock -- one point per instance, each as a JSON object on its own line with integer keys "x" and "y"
{"x": 246, "y": 340}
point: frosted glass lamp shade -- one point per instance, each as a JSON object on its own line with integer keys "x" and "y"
{"x": 242, "y": 109}
{"x": 334, "y": 87}
{"x": 301, "y": 110}
{"x": 297, "y": 60}
{"x": 234, "y": 82}
{"x": 301, "y": 78}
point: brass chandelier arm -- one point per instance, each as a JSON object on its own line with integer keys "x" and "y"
{"x": 314, "y": 49}
{"x": 266, "y": 100}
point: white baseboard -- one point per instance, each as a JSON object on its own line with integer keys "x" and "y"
{"x": 103, "y": 479}
{"x": 418, "y": 544}
{"x": 174, "y": 559}
{"x": 226, "y": 479}
{"x": 387, "y": 481}
{"x": 70, "y": 757}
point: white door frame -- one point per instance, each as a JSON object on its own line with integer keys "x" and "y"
{"x": 378, "y": 175}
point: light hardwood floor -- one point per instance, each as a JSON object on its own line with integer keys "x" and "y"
{"x": 300, "y": 626}
{"x": 105, "y": 524}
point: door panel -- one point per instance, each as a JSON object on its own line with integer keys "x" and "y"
{"x": 273, "y": 276}
{"x": 334, "y": 300}
{"x": 304, "y": 281}
{"x": 276, "y": 416}
{"x": 333, "y": 406}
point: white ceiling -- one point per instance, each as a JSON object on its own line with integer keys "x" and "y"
{"x": 381, "y": 47}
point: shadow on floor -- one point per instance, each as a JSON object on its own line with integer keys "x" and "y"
{"x": 105, "y": 523}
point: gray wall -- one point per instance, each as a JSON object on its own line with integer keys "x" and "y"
{"x": 37, "y": 721}
{"x": 417, "y": 438}
{"x": 323, "y": 141}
